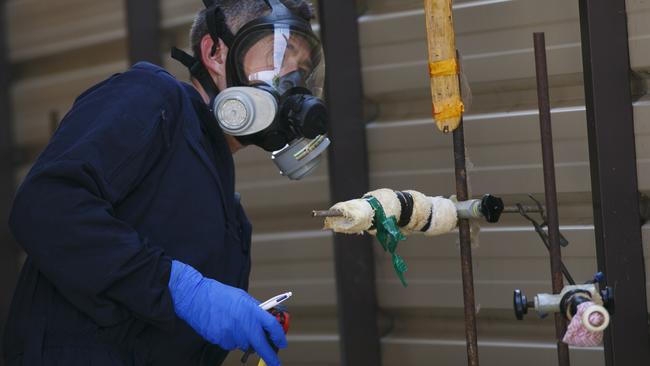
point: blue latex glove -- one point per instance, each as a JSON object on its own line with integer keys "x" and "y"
{"x": 224, "y": 315}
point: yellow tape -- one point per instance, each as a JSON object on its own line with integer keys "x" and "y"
{"x": 449, "y": 110}
{"x": 443, "y": 68}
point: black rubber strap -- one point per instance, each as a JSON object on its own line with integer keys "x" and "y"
{"x": 197, "y": 70}
{"x": 571, "y": 299}
{"x": 428, "y": 224}
{"x": 183, "y": 57}
{"x": 577, "y": 300}
{"x": 406, "y": 202}
{"x": 218, "y": 28}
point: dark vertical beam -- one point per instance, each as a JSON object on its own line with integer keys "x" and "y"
{"x": 348, "y": 167}
{"x": 612, "y": 157}
{"x": 8, "y": 250}
{"x": 143, "y": 26}
{"x": 550, "y": 189}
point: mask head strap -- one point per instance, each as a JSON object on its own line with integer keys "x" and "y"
{"x": 197, "y": 70}
{"x": 218, "y": 29}
{"x": 217, "y": 25}
{"x": 278, "y": 10}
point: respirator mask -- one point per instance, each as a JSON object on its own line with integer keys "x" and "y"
{"x": 275, "y": 74}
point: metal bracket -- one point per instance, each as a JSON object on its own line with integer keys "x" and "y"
{"x": 540, "y": 230}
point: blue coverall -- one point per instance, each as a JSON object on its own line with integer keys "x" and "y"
{"x": 137, "y": 174}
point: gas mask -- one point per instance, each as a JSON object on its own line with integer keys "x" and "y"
{"x": 275, "y": 74}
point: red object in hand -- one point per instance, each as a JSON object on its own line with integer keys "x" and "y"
{"x": 283, "y": 317}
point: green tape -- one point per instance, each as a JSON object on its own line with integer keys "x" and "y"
{"x": 389, "y": 235}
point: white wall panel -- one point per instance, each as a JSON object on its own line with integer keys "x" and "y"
{"x": 42, "y": 28}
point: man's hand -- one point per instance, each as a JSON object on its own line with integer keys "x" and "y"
{"x": 224, "y": 315}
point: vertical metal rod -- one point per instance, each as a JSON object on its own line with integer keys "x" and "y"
{"x": 465, "y": 249}
{"x": 549, "y": 188}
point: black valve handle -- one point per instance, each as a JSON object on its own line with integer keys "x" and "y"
{"x": 491, "y": 208}
{"x": 520, "y": 303}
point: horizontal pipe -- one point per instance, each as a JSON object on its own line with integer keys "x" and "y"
{"x": 337, "y": 213}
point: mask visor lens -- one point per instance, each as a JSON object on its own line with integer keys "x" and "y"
{"x": 282, "y": 58}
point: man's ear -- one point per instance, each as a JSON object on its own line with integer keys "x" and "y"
{"x": 214, "y": 62}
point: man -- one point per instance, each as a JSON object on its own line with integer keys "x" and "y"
{"x": 129, "y": 216}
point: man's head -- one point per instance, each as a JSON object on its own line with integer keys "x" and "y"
{"x": 265, "y": 72}
{"x": 237, "y": 13}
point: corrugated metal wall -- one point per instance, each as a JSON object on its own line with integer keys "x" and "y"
{"x": 59, "y": 48}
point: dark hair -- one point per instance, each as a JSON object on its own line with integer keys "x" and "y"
{"x": 240, "y": 12}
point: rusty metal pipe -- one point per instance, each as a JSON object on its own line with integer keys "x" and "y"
{"x": 515, "y": 209}
{"x": 550, "y": 191}
{"x": 326, "y": 213}
{"x": 465, "y": 249}
{"x": 337, "y": 213}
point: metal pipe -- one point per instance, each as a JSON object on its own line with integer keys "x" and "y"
{"x": 326, "y": 213}
{"x": 337, "y": 213}
{"x": 465, "y": 249}
{"x": 515, "y": 209}
{"x": 550, "y": 188}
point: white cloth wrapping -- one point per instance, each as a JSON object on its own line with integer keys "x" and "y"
{"x": 444, "y": 217}
{"x": 358, "y": 214}
{"x": 421, "y": 212}
{"x": 388, "y": 200}
{"x": 357, "y": 217}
